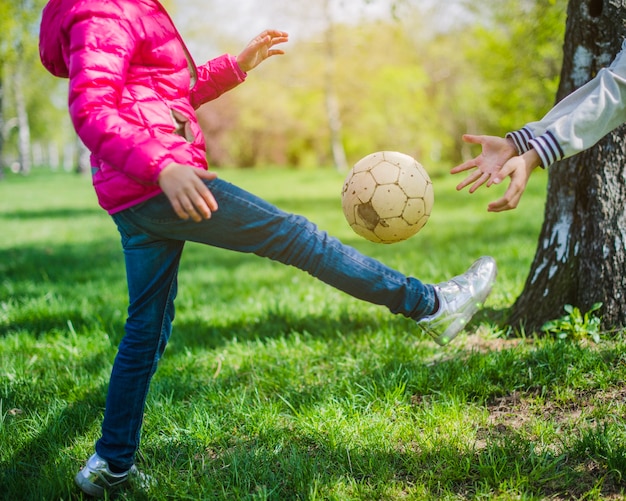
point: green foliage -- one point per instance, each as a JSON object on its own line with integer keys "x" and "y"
{"x": 518, "y": 53}
{"x": 412, "y": 83}
{"x": 575, "y": 325}
{"x": 402, "y": 85}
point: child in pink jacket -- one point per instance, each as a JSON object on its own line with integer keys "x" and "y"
{"x": 133, "y": 91}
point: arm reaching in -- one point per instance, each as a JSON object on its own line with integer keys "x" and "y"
{"x": 499, "y": 158}
{"x": 260, "y": 48}
{"x": 496, "y": 151}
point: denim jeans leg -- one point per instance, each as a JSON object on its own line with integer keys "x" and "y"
{"x": 153, "y": 237}
{"x": 247, "y": 223}
{"x": 151, "y": 269}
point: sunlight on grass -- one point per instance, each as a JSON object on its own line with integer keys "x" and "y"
{"x": 276, "y": 387}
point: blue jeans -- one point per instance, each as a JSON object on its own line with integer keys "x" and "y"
{"x": 153, "y": 237}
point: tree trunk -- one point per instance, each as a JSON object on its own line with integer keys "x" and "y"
{"x": 581, "y": 254}
{"x": 23, "y": 126}
{"x": 332, "y": 103}
{"x": 83, "y": 158}
{"x": 1, "y": 120}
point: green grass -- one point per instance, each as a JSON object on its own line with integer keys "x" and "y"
{"x": 275, "y": 386}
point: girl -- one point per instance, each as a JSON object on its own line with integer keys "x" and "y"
{"x": 133, "y": 89}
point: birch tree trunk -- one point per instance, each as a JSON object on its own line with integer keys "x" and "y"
{"x": 581, "y": 253}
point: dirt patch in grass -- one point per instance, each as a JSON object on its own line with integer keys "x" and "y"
{"x": 478, "y": 342}
{"x": 537, "y": 416}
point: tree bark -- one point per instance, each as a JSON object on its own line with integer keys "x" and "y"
{"x": 581, "y": 254}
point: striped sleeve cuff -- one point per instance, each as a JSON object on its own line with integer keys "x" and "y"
{"x": 521, "y": 138}
{"x": 547, "y": 148}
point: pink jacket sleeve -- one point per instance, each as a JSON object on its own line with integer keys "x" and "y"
{"x": 216, "y": 77}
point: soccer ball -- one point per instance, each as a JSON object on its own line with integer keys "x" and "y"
{"x": 387, "y": 197}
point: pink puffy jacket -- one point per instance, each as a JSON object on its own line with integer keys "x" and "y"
{"x": 133, "y": 89}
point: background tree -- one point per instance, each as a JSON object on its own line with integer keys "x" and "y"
{"x": 414, "y": 82}
{"x": 333, "y": 111}
{"x": 33, "y": 104}
{"x": 15, "y": 49}
{"x": 7, "y": 26}
{"x": 581, "y": 253}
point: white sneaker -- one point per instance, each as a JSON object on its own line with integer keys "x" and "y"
{"x": 95, "y": 477}
{"x": 459, "y": 299}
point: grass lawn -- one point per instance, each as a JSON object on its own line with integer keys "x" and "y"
{"x": 275, "y": 386}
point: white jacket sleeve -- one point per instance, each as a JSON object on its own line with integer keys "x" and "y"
{"x": 581, "y": 119}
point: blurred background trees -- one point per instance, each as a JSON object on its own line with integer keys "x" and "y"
{"x": 34, "y": 128}
{"x": 361, "y": 75}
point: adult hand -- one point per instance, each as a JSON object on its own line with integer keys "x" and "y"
{"x": 496, "y": 151}
{"x": 185, "y": 189}
{"x": 260, "y": 48}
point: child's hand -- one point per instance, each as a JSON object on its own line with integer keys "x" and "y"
{"x": 519, "y": 168}
{"x": 185, "y": 189}
{"x": 260, "y": 48}
{"x": 496, "y": 151}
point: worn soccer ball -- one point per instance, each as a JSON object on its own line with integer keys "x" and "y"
{"x": 387, "y": 197}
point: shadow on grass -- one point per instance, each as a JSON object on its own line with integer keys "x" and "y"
{"x": 63, "y": 263}
{"x": 287, "y": 465}
{"x": 38, "y": 467}
{"x": 305, "y": 457}
{"x": 496, "y": 317}
{"x": 293, "y": 461}
{"x": 48, "y": 288}
{"x": 65, "y": 213}
{"x": 279, "y": 322}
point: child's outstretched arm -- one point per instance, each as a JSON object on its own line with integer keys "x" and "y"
{"x": 573, "y": 125}
{"x": 260, "y": 48}
{"x": 498, "y": 159}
